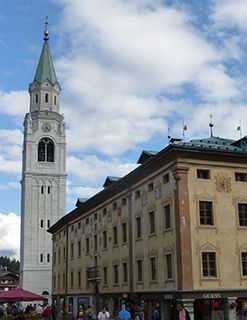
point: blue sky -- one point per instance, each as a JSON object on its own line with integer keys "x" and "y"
{"x": 129, "y": 70}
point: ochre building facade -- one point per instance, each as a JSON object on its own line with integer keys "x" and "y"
{"x": 174, "y": 229}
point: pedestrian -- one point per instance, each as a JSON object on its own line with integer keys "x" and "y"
{"x": 103, "y": 314}
{"x": 88, "y": 313}
{"x": 124, "y": 314}
{"x": 181, "y": 313}
{"x": 156, "y": 313}
{"x": 47, "y": 312}
{"x": 139, "y": 315}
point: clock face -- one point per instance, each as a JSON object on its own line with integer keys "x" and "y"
{"x": 46, "y": 127}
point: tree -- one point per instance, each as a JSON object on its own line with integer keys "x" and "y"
{"x": 12, "y": 264}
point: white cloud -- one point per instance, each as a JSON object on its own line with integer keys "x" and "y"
{"x": 10, "y": 233}
{"x": 14, "y": 103}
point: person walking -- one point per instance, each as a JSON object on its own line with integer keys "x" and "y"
{"x": 103, "y": 314}
{"x": 181, "y": 313}
{"x": 124, "y": 314}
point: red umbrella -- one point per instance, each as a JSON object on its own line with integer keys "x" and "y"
{"x": 19, "y": 294}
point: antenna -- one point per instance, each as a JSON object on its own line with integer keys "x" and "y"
{"x": 239, "y": 128}
{"x": 211, "y": 125}
{"x": 184, "y": 129}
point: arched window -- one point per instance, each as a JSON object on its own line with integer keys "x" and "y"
{"x": 46, "y": 97}
{"x": 55, "y": 100}
{"x": 36, "y": 98}
{"x": 46, "y": 150}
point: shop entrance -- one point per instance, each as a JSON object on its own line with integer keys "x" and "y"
{"x": 209, "y": 309}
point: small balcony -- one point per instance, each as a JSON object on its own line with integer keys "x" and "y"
{"x": 93, "y": 274}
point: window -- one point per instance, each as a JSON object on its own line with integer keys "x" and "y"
{"x": 64, "y": 254}
{"x": 55, "y": 100}
{"x": 48, "y": 189}
{"x": 137, "y": 194}
{"x": 168, "y": 266}
{"x": 59, "y": 256}
{"x": 46, "y": 97}
{"x": 114, "y": 206}
{"x": 54, "y": 283}
{"x": 95, "y": 216}
{"x": 95, "y": 242}
{"x": 138, "y": 227}
{"x": 167, "y": 213}
{"x": 203, "y": 174}
{"x": 153, "y": 268}
{"x": 115, "y": 267}
{"x": 124, "y": 201}
{"x": 206, "y": 213}
{"x": 46, "y": 150}
{"x": 124, "y": 232}
{"x": 165, "y": 178}
{"x": 36, "y": 98}
{"x": 139, "y": 270}
{"x": 48, "y": 257}
{"x": 72, "y": 251}
{"x": 41, "y": 257}
{"x": 71, "y": 279}
{"x": 79, "y": 225}
{"x": 48, "y": 223}
{"x": 41, "y": 223}
{"x": 240, "y": 176}
{"x": 63, "y": 280}
{"x": 87, "y": 245}
{"x": 115, "y": 237}
{"x": 58, "y": 281}
{"x": 79, "y": 248}
{"x": 104, "y": 239}
{"x": 42, "y": 189}
{"x": 242, "y": 214}
{"x": 125, "y": 272}
{"x": 105, "y": 275}
{"x": 54, "y": 258}
{"x": 209, "y": 264}
{"x": 87, "y": 221}
{"x": 151, "y": 222}
{"x": 104, "y": 211}
{"x": 79, "y": 278}
{"x": 150, "y": 187}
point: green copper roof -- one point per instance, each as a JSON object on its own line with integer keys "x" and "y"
{"x": 45, "y": 70}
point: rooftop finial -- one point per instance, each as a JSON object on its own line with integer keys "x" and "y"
{"x": 239, "y": 128}
{"x": 46, "y": 33}
{"x": 184, "y": 129}
{"x": 211, "y": 125}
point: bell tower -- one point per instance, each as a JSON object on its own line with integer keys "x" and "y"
{"x": 43, "y": 183}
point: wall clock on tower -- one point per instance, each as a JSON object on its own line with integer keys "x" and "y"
{"x": 46, "y": 127}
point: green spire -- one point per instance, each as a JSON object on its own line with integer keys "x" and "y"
{"x": 45, "y": 70}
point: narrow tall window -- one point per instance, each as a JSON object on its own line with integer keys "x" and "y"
{"x": 244, "y": 263}
{"x": 63, "y": 280}
{"x": 46, "y": 150}
{"x": 151, "y": 222}
{"x": 153, "y": 268}
{"x": 115, "y": 236}
{"x": 72, "y": 251}
{"x": 138, "y": 227}
{"x": 105, "y": 275}
{"x": 48, "y": 257}
{"x": 36, "y": 98}
{"x": 48, "y": 189}
{"x": 95, "y": 242}
{"x": 209, "y": 264}
{"x": 41, "y": 257}
{"x": 206, "y": 213}
{"x": 79, "y": 278}
{"x": 64, "y": 254}
{"x": 55, "y": 100}
{"x": 46, "y": 97}
{"x": 139, "y": 270}
{"x": 167, "y": 213}
{"x": 125, "y": 272}
{"x": 124, "y": 232}
{"x": 41, "y": 223}
{"x": 115, "y": 273}
{"x": 104, "y": 239}
{"x": 169, "y": 266}
{"x": 165, "y": 178}
{"x": 42, "y": 189}
{"x": 71, "y": 279}
{"x": 242, "y": 214}
{"x": 87, "y": 245}
{"x": 150, "y": 187}
{"x": 79, "y": 248}
{"x": 48, "y": 223}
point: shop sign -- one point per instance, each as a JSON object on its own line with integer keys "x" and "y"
{"x": 212, "y": 295}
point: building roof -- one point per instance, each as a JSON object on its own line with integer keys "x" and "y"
{"x": 109, "y": 181}
{"x": 45, "y": 69}
{"x": 213, "y": 148}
